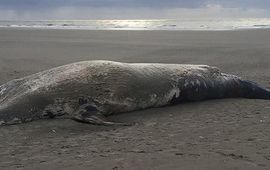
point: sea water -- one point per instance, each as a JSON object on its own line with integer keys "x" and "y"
{"x": 153, "y": 24}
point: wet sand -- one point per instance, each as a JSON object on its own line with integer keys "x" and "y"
{"x": 216, "y": 134}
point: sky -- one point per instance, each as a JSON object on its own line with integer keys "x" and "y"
{"x": 132, "y": 9}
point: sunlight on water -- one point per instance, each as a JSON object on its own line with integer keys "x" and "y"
{"x": 155, "y": 24}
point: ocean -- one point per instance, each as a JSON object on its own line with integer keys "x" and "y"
{"x": 153, "y": 24}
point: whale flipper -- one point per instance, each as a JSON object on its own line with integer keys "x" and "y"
{"x": 94, "y": 117}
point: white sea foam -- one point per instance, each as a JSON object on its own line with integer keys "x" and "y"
{"x": 157, "y": 24}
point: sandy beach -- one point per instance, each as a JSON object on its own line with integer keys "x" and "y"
{"x": 216, "y": 134}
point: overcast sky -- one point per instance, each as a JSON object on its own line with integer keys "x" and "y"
{"x": 131, "y": 9}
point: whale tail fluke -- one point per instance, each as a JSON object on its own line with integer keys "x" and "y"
{"x": 253, "y": 90}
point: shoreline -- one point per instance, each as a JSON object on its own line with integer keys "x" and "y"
{"x": 138, "y": 30}
{"x": 147, "y": 24}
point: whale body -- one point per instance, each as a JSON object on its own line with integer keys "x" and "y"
{"x": 89, "y": 91}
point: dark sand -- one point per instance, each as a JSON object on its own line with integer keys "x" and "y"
{"x": 217, "y": 134}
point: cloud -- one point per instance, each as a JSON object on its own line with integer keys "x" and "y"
{"x": 216, "y": 11}
{"x": 262, "y": 4}
{"x": 46, "y": 4}
{"x": 207, "y": 10}
{"x": 31, "y": 4}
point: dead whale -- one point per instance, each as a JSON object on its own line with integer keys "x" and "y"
{"x": 88, "y": 91}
